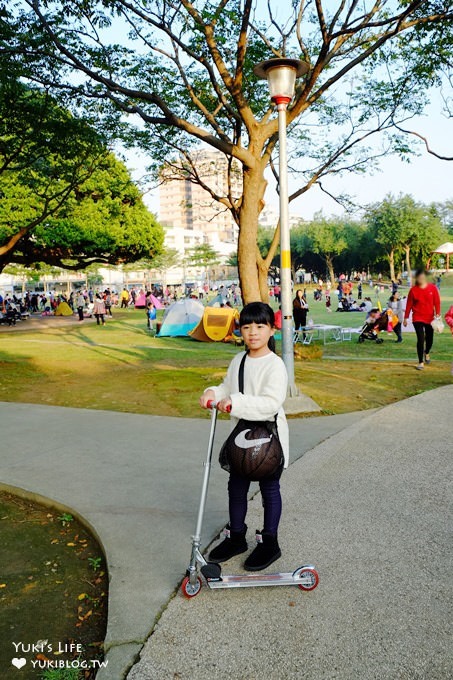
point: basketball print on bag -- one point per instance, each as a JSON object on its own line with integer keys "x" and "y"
{"x": 253, "y": 450}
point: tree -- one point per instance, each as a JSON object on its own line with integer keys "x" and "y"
{"x": 168, "y": 258}
{"x": 326, "y": 238}
{"x": 203, "y": 256}
{"x": 403, "y": 227}
{"x": 264, "y": 240}
{"x": 387, "y": 222}
{"x": 302, "y": 253}
{"x": 161, "y": 263}
{"x": 445, "y": 212}
{"x": 45, "y": 153}
{"x": 232, "y": 261}
{"x": 183, "y": 75}
{"x": 102, "y": 220}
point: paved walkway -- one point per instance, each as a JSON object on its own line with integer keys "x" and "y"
{"x": 370, "y": 508}
{"x": 135, "y": 479}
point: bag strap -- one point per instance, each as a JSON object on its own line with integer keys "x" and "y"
{"x": 241, "y": 381}
{"x": 241, "y": 374}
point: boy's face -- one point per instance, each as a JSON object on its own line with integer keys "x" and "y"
{"x": 256, "y": 335}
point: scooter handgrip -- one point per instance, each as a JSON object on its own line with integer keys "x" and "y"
{"x": 211, "y": 404}
{"x": 228, "y": 409}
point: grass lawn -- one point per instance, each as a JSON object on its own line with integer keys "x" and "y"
{"x": 121, "y": 367}
{"x": 49, "y": 590}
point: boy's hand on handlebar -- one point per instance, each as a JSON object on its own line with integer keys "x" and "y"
{"x": 206, "y": 397}
{"x": 224, "y": 405}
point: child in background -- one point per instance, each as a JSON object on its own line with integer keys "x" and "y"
{"x": 151, "y": 315}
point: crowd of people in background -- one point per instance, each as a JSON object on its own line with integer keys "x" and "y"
{"x": 390, "y": 311}
{"x": 99, "y": 303}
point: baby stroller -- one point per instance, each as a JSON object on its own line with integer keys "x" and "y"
{"x": 375, "y": 323}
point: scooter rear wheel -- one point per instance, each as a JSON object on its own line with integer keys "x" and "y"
{"x": 189, "y": 589}
{"x": 308, "y": 573}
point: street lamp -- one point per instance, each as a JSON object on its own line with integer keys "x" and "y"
{"x": 281, "y": 75}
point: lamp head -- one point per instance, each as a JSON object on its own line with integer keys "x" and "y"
{"x": 281, "y": 75}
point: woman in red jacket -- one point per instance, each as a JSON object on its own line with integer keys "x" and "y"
{"x": 424, "y": 303}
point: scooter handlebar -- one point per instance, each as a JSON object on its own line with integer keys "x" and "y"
{"x": 212, "y": 404}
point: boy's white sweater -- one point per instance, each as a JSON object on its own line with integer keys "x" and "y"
{"x": 265, "y": 385}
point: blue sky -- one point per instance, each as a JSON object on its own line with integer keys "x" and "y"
{"x": 425, "y": 177}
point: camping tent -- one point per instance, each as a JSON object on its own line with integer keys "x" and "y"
{"x": 63, "y": 309}
{"x": 180, "y": 318}
{"x": 140, "y": 301}
{"x": 217, "y": 324}
{"x": 216, "y": 301}
{"x": 447, "y": 250}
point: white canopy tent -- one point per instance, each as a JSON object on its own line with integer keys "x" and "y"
{"x": 447, "y": 250}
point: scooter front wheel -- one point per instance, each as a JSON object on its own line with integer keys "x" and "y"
{"x": 310, "y": 578}
{"x": 189, "y": 589}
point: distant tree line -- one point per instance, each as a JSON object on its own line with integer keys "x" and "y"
{"x": 397, "y": 230}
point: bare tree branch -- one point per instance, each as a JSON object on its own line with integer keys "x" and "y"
{"x": 425, "y": 142}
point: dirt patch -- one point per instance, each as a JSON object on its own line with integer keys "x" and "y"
{"x": 53, "y": 590}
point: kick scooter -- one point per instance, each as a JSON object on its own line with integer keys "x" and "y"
{"x": 305, "y": 577}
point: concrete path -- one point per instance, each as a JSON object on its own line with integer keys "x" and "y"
{"x": 371, "y": 509}
{"x": 135, "y": 479}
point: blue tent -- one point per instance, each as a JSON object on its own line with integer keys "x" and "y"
{"x": 180, "y": 318}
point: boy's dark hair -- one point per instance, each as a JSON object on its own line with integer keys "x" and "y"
{"x": 258, "y": 312}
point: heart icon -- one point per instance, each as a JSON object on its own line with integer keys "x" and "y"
{"x": 19, "y": 662}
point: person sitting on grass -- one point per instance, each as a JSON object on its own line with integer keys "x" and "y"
{"x": 366, "y": 305}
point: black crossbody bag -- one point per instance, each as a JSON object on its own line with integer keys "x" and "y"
{"x": 253, "y": 449}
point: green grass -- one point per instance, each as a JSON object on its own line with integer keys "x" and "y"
{"x": 121, "y": 367}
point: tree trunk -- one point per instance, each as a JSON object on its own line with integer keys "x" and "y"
{"x": 330, "y": 269}
{"x": 392, "y": 264}
{"x": 251, "y": 279}
{"x": 407, "y": 250}
{"x": 263, "y": 273}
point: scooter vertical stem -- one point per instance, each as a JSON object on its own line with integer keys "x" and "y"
{"x": 207, "y": 472}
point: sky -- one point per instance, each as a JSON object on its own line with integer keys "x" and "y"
{"x": 426, "y": 178}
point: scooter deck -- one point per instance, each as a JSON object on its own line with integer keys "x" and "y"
{"x": 256, "y": 580}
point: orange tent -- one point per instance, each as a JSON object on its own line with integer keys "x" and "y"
{"x": 217, "y": 324}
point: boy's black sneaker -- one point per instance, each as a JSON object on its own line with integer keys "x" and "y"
{"x": 233, "y": 544}
{"x": 266, "y": 552}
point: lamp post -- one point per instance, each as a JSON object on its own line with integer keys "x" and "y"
{"x": 281, "y": 76}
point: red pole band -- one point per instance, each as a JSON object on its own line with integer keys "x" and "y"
{"x": 280, "y": 99}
